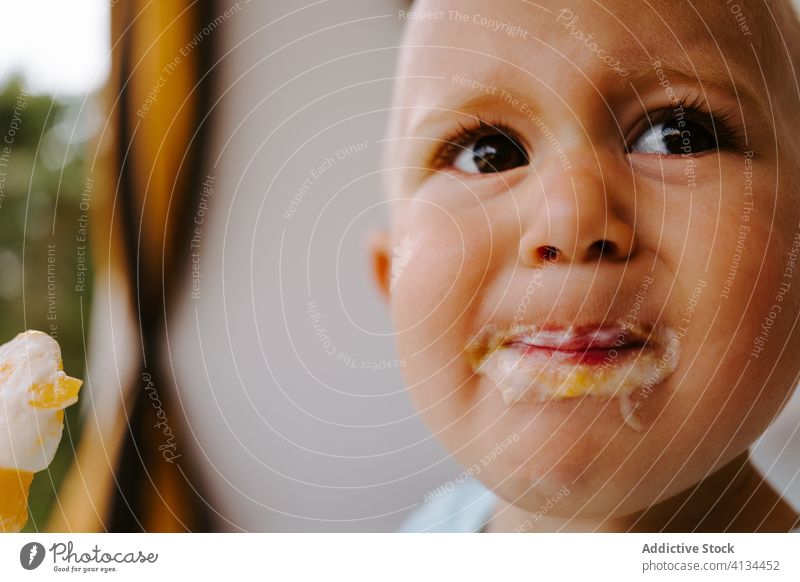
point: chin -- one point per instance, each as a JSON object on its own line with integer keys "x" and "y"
{"x": 600, "y": 473}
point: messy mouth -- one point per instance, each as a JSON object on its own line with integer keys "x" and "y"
{"x": 530, "y": 363}
{"x": 578, "y": 345}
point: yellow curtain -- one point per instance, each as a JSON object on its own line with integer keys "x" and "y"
{"x": 146, "y": 169}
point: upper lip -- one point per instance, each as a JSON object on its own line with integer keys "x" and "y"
{"x": 578, "y": 338}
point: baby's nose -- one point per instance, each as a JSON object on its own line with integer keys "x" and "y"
{"x": 575, "y": 220}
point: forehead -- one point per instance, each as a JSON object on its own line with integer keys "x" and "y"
{"x": 583, "y": 38}
{"x": 645, "y": 25}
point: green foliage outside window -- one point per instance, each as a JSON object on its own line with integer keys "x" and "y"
{"x": 46, "y": 194}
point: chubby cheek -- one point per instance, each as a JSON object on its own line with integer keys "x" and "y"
{"x": 435, "y": 295}
{"x": 737, "y": 307}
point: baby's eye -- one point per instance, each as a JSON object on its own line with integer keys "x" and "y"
{"x": 492, "y": 153}
{"x": 669, "y": 138}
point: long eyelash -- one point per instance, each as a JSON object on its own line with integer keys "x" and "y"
{"x": 728, "y": 134}
{"x": 456, "y": 141}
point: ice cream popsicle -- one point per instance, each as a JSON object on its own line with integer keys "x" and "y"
{"x": 34, "y": 391}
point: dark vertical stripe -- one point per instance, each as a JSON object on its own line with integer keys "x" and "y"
{"x": 125, "y": 504}
{"x": 135, "y": 496}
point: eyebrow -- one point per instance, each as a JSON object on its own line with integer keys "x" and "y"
{"x": 451, "y": 104}
{"x": 642, "y": 74}
{"x": 710, "y": 79}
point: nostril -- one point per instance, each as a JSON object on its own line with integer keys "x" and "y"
{"x": 602, "y": 247}
{"x": 548, "y": 253}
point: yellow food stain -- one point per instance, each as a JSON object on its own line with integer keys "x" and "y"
{"x": 59, "y": 395}
{"x": 5, "y": 371}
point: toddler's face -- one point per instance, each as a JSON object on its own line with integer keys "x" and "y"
{"x": 595, "y": 242}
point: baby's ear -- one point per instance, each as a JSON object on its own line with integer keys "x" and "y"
{"x": 379, "y": 247}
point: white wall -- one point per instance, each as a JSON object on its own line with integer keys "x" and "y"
{"x": 293, "y": 438}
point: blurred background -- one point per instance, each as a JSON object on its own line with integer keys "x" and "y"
{"x": 221, "y": 160}
{"x": 50, "y": 71}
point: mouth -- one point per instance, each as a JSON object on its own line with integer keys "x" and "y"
{"x": 585, "y": 345}
{"x": 530, "y": 363}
